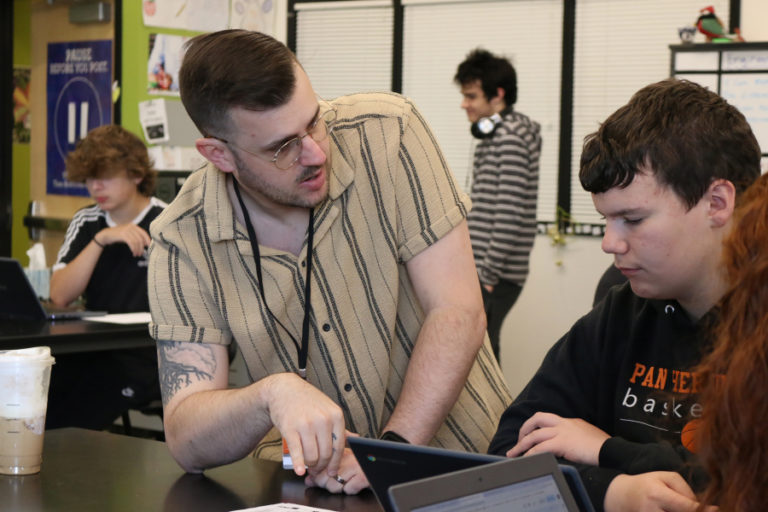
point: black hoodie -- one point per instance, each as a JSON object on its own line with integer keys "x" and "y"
{"x": 624, "y": 368}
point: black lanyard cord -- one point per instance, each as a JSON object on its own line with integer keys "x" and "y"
{"x": 302, "y": 349}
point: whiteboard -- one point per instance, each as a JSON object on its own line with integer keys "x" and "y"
{"x": 745, "y": 60}
{"x": 696, "y": 61}
{"x": 749, "y": 93}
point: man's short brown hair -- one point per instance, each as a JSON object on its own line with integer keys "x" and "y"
{"x": 230, "y": 69}
{"x": 106, "y": 152}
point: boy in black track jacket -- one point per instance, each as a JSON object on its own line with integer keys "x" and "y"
{"x": 104, "y": 259}
{"x": 615, "y": 396}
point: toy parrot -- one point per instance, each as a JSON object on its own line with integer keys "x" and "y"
{"x": 712, "y": 27}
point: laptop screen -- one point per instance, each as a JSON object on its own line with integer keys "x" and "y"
{"x": 539, "y": 494}
{"x": 528, "y": 484}
{"x": 17, "y": 297}
{"x": 387, "y": 463}
{"x": 18, "y": 300}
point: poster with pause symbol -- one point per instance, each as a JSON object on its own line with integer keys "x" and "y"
{"x": 79, "y": 95}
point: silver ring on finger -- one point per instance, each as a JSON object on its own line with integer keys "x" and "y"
{"x": 340, "y": 480}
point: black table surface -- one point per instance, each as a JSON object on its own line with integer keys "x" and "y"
{"x": 86, "y": 470}
{"x": 70, "y": 336}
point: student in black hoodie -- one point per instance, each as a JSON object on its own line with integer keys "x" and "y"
{"x": 615, "y": 394}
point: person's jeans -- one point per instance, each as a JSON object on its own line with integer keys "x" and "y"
{"x": 497, "y": 304}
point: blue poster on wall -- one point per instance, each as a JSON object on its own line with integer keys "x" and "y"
{"x": 79, "y": 100}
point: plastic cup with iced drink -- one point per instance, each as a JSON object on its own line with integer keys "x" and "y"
{"x": 24, "y": 378}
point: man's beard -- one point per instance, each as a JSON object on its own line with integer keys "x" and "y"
{"x": 253, "y": 182}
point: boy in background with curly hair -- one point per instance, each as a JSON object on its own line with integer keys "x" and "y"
{"x": 103, "y": 259}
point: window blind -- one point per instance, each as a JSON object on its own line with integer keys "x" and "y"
{"x": 437, "y": 37}
{"x": 621, "y": 46}
{"x": 345, "y": 47}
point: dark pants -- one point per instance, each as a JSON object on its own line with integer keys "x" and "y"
{"x": 497, "y": 305}
{"x": 91, "y": 390}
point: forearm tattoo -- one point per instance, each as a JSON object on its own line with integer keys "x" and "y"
{"x": 180, "y": 363}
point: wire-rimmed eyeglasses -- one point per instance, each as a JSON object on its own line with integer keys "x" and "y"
{"x": 290, "y": 151}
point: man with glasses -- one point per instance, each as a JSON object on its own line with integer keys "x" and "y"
{"x": 328, "y": 239}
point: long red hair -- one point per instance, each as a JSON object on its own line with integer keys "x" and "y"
{"x": 733, "y": 435}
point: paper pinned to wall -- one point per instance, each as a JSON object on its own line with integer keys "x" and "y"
{"x": 199, "y": 15}
{"x": 154, "y": 120}
{"x": 259, "y": 15}
{"x": 166, "y": 53}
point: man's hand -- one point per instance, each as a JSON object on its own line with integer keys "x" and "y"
{"x": 351, "y": 479}
{"x": 132, "y": 235}
{"x": 571, "y": 438}
{"x": 651, "y": 492}
{"x": 312, "y": 425}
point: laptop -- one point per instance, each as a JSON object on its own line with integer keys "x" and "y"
{"x": 527, "y": 484}
{"x": 18, "y": 300}
{"x": 387, "y": 463}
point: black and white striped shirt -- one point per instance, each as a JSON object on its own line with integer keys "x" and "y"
{"x": 505, "y": 185}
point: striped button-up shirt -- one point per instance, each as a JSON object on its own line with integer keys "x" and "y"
{"x": 391, "y": 195}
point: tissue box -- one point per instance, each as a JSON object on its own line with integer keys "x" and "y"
{"x": 41, "y": 281}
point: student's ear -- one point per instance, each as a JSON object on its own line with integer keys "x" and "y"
{"x": 216, "y": 152}
{"x": 722, "y": 202}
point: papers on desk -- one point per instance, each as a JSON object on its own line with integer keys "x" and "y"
{"x": 122, "y": 318}
{"x": 283, "y": 507}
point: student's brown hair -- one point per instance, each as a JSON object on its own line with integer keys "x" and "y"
{"x": 732, "y": 436}
{"x": 107, "y": 151}
{"x": 233, "y": 68}
{"x": 688, "y": 135}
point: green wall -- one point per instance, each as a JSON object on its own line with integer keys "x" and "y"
{"x": 135, "y": 53}
{"x": 20, "y": 192}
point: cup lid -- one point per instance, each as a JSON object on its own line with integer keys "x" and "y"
{"x": 32, "y": 354}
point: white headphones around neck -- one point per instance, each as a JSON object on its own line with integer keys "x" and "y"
{"x": 485, "y": 127}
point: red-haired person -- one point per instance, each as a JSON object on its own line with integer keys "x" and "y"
{"x": 732, "y": 437}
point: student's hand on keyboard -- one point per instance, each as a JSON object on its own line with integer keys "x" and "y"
{"x": 571, "y": 438}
